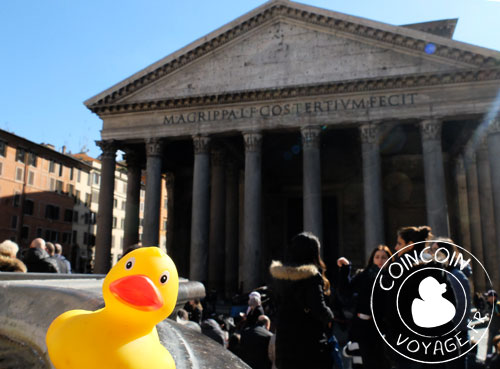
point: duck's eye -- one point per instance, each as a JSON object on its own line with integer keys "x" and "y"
{"x": 130, "y": 263}
{"x": 164, "y": 277}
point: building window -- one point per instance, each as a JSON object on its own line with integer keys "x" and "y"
{"x": 122, "y": 223}
{"x": 93, "y": 218}
{"x": 20, "y": 155}
{"x": 115, "y": 203}
{"x": 19, "y": 174}
{"x": 52, "y": 166}
{"x": 88, "y": 179}
{"x": 59, "y": 186}
{"x": 3, "y": 146}
{"x": 165, "y": 225}
{"x": 75, "y": 235}
{"x": 78, "y": 175}
{"x": 47, "y": 235}
{"x": 143, "y": 193}
{"x": 85, "y": 238}
{"x": 1, "y": 167}
{"x": 71, "y": 173}
{"x": 39, "y": 232}
{"x": 32, "y": 159}
{"x": 75, "y": 217}
{"x": 52, "y": 186}
{"x": 142, "y": 206}
{"x": 61, "y": 170}
{"x": 96, "y": 178}
{"x": 71, "y": 189}
{"x": 115, "y": 221}
{"x": 54, "y": 236}
{"x": 13, "y": 222}
{"x": 52, "y": 212}
{"x": 68, "y": 215}
{"x": 86, "y": 218}
{"x": 95, "y": 197}
{"x": 87, "y": 199}
{"x": 78, "y": 194}
{"x": 66, "y": 237}
{"x": 31, "y": 178}
{"x": 124, "y": 203}
{"x": 29, "y": 207}
{"x": 165, "y": 203}
{"x": 25, "y": 232}
{"x": 17, "y": 200}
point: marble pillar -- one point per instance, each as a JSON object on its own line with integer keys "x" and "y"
{"x": 131, "y": 231}
{"x": 311, "y": 179}
{"x": 105, "y": 213}
{"x": 231, "y": 229}
{"x": 170, "y": 184}
{"x": 152, "y": 202}
{"x": 474, "y": 215}
{"x": 216, "y": 258}
{"x": 252, "y": 237}
{"x": 372, "y": 187}
{"x": 198, "y": 260}
{"x": 494, "y": 162}
{"x": 435, "y": 188}
{"x": 487, "y": 212}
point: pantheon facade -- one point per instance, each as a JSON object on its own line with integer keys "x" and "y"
{"x": 295, "y": 118}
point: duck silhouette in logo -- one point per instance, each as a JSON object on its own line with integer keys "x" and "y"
{"x": 432, "y": 310}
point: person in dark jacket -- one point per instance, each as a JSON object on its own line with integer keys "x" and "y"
{"x": 37, "y": 259}
{"x": 303, "y": 318}
{"x": 363, "y": 330}
{"x": 254, "y": 344}
{"x": 64, "y": 264}
{"x": 255, "y": 309}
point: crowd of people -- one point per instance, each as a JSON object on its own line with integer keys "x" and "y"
{"x": 298, "y": 328}
{"x": 304, "y": 312}
{"x": 40, "y": 257}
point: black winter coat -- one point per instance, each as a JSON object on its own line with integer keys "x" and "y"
{"x": 38, "y": 261}
{"x": 302, "y": 317}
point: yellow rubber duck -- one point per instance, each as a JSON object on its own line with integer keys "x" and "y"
{"x": 139, "y": 292}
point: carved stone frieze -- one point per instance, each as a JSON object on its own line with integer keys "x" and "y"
{"x": 201, "y": 144}
{"x": 430, "y": 129}
{"x": 370, "y": 133}
{"x": 310, "y": 136}
{"x": 253, "y": 141}
{"x": 154, "y": 147}
{"x": 364, "y": 85}
{"x": 108, "y": 148}
{"x": 329, "y": 22}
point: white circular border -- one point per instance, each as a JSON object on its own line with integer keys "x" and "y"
{"x": 375, "y": 321}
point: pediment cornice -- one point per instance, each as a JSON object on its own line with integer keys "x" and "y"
{"x": 354, "y": 86}
{"x": 394, "y": 37}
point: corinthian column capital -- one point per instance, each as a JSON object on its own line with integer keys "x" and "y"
{"x": 310, "y": 136}
{"x": 430, "y": 129}
{"x": 370, "y": 132}
{"x": 108, "y": 148}
{"x": 253, "y": 141}
{"x": 201, "y": 144}
{"x": 154, "y": 146}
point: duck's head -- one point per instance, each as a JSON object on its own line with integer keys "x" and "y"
{"x": 142, "y": 285}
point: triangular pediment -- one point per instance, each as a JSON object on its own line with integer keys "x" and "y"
{"x": 283, "y": 44}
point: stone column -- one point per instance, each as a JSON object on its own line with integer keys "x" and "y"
{"x": 152, "y": 202}
{"x": 372, "y": 187}
{"x": 474, "y": 215}
{"x": 170, "y": 183}
{"x": 198, "y": 268}
{"x": 463, "y": 206}
{"x": 252, "y": 237}
{"x": 216, "y": 258}
{"x": 105, "y": 213}
{"x": 232, "y": 225}
{"x": 131, "y": 231}
{"x": 487, "y": 212}
{"x": 435, "y": 189}
{"x": 311, "y": 179}
{"x": 494, "y": 160}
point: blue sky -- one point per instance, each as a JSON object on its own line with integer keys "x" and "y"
{"x": 58, "y": 53}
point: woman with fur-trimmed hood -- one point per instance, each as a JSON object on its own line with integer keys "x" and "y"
{"x": 303, "y": 317}
{"x": 8, "y": 260}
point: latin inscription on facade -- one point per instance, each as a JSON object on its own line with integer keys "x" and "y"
{"x": 296, "y": 108}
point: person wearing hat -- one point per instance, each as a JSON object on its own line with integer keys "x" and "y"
{"x": 494, "y": 327}
{"x": 254, "y": 310}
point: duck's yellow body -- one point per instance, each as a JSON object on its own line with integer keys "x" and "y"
{"x": 139, "y": 292}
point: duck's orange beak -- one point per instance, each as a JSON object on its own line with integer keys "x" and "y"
{"x": 137, "y": 291}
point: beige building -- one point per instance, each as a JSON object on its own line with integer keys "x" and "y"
{"x": 295, "y": 118}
